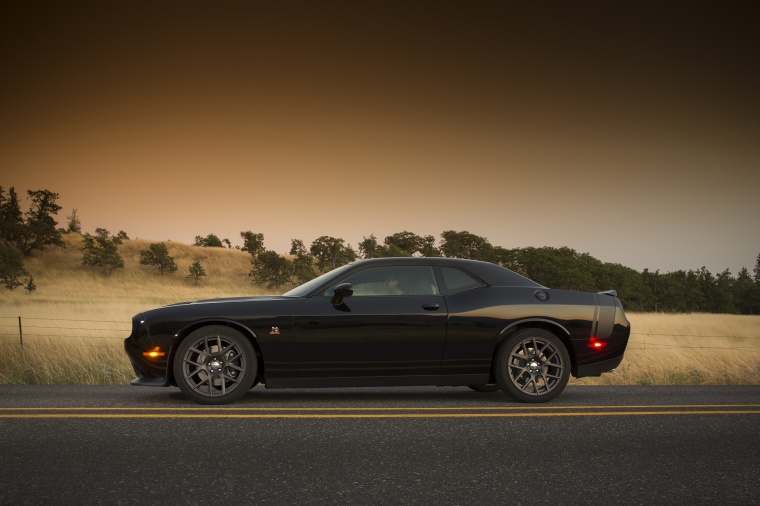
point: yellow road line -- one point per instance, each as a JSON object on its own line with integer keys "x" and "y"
{"x": 379, "y": 415}
{"x": 465, "y": 408}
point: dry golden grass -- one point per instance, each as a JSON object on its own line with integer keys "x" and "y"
{"x": 76, "y": 321}
{"x": 688, "y": 349}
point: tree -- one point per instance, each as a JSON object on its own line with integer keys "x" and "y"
{"x": 303, "y": 261}
{"x": 196, "y": 272}
{"x": 270, "y": 269}
{"x": 158, "y": 256}
{"x": 102, "y": 252}
{"x": 122, "y": 236}
{"x": 746, "y": 293}
{"x": 75, "y": 225}
{"x": 30, "y": 286}
{"x": 331, "y": 252}
{"x": 210, "y": 241}
{"x": 252, "y": 243}
{"x": 227, "y": 243}
{"x": 11, "y": 218}
{"x": 466, "y": 245}
{"x": 723, "y": 300}
{"x": 407, "y": 244}
{"x": 40, "y": 226}
{"x": 11, "y": 266}
{"x": 34, "y": 229}
{"x": 368, "y": 247}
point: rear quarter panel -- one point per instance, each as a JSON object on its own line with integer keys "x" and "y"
{"x": 481, "y": 318}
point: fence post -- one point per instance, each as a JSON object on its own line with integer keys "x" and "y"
{"x": 20, "y": 333}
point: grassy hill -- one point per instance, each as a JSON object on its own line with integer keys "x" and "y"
{"x": 61, "y": 277}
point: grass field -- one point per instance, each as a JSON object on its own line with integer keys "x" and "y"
{"x": 75, "y": 323}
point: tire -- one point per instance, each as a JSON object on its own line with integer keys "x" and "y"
{"x": 532, "y": 365}
{"x": 490, "y": 387}
{"x": 215, "y": 365}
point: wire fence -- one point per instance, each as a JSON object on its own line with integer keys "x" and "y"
{"x": 18, "y": 331}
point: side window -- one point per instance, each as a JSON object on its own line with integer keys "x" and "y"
{"x": 391, "y": 280}
{"x": 457, "y": 280}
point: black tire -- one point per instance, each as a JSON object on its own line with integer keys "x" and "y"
{"x": 215, "y": 365}
{"x": 490, "y": 387}
{"x": 532, "y": 365}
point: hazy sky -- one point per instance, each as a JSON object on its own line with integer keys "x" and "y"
{"x": 628, "y": 130}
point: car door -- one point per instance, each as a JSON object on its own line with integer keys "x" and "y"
{"x": 394, "y": 324}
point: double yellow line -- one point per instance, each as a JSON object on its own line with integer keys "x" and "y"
{"x": 379, "y": 412}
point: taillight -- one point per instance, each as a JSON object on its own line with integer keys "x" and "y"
{"x": 596, "y": 344}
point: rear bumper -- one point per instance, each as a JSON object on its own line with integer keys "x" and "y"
{"x": 597, "y": 368}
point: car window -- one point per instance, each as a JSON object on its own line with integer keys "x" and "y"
{"x": 456, "y": 280}
{"x": 391, "y": 280}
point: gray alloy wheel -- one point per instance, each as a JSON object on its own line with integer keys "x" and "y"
{"x": 532, "y": 365}
{"x": 215, "y": 365}
{"x": 490, "y": 387}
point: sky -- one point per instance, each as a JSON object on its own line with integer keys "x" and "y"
{"x": 626, "y": 130}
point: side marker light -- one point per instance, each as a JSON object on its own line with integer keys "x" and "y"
{"x": 154, "y": 353}
{"x": 596, "y": 344}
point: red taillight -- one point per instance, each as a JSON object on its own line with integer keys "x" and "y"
{"x": 596, "y": 344}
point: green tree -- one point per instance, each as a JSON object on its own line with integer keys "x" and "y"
{"x": 368, "y": 247}
{"x": 723, "y": 300}
{"x": 158, "y": 256}
{"x": 303, "y": 262}
{"x": 40, "y": 226}
{"x": 101, "y": 251}
{"x": 75, "y": 225}
{"x": 408, "y": 244}
{"x": 252, "y": 243}
{"x": 210, "y": 241}
{"x": 29, "y": 286}
{"x": 11, "y": 266}
{"x": 11, "y": 218}
{"x": 466, "y": 245}
{"x": 746, "y": 293}
{"x": 122, "y": 236}
{"x": 331, "y": 252}
{"x": 561, "y": 268}
{"x": 196, "y": 272}
{"x": 270, "y": 269}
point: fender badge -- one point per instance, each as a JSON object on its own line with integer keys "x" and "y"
{"x": 275, "y": 331}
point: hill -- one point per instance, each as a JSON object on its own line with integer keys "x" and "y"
{"x": 60, "y": 276}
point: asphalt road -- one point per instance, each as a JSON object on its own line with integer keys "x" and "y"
{"x": 592, "y": 445}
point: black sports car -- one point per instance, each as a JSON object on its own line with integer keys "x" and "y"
{"x": 385, "y": 322}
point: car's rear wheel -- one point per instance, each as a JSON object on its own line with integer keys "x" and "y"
{"x": 490, "y": 387}
{"x": 532, "y": 365}
{"x": 215, "y": 365}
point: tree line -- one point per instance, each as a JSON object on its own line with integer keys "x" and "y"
{"x": 23, "y": 233}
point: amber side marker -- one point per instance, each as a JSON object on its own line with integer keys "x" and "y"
{"x": 154, "y": 353}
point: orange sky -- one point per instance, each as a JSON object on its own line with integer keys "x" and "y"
{"x": 630, "y": 132}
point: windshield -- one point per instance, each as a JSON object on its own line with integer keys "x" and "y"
{"x": 308, "y": 287}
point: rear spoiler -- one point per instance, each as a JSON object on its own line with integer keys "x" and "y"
{"x": 611, "y": 293}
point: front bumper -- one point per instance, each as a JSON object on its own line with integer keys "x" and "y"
{"x": 149, "y": 371}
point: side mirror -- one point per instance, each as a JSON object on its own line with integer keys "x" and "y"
{"x": 341, "y": 291}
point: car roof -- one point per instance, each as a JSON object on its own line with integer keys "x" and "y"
{"x": 490, "y": 273}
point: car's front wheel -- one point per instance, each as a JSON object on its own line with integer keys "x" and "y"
{"x": 215, "y": 365}
{"x": 532, "y": 365}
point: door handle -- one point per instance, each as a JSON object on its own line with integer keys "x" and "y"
{"x": 430, "y": 307}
